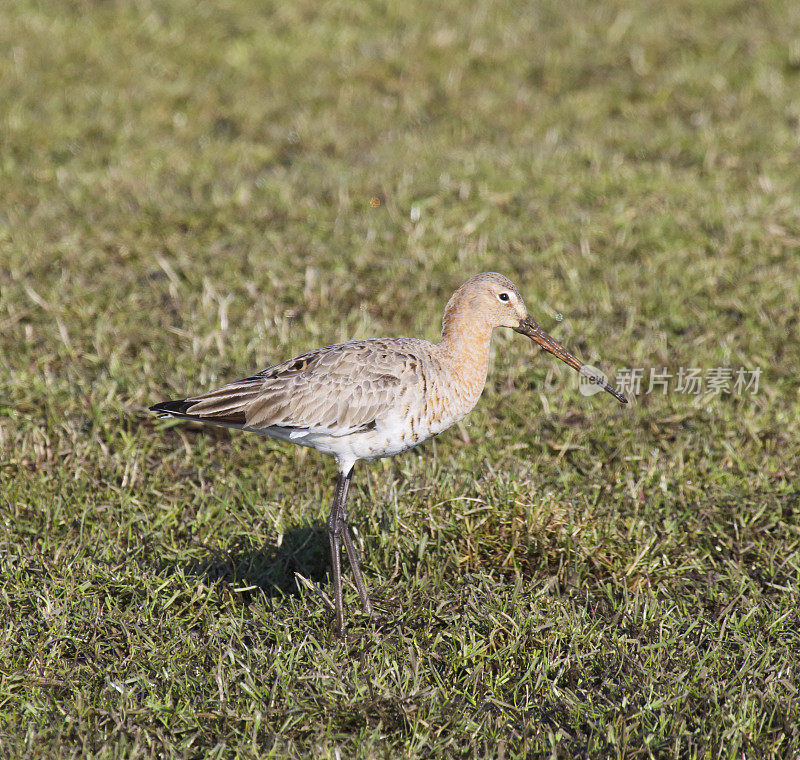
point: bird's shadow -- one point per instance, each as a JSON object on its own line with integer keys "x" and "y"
{"x": 270, "y": 566}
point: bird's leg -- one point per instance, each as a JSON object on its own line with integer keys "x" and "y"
{"x": 337, "y": 526}
{"x": 352, "y": 555}
{"x": 339, "y": 531}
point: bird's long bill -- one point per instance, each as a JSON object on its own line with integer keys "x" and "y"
{"x": 530, "y": 328}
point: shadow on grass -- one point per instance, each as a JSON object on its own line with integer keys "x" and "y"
{"x": 270, "y": 566}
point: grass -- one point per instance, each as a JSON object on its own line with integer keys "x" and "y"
{"x": 185, "y": 197}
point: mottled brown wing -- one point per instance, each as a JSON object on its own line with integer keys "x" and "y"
{"x": 337, "y": 389}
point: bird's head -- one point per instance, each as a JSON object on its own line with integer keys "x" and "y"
{"x": 489, "y": 299}
{"x": 492, "y": 300}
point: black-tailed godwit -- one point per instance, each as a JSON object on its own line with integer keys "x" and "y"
{"x": 366, "y": 399}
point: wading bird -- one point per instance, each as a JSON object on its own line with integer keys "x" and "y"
{"x": 367, "y": 399}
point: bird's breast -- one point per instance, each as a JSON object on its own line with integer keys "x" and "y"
{"x": 452, "y": 395}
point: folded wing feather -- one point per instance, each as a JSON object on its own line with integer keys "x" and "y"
{"x": 337, "y": 389}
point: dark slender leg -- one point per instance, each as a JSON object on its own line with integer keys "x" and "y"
{"x": 338, "y": 531}
{"x": 336, "y": 526}
{"x": 352, "y": 555}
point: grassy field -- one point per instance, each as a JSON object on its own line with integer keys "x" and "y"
{"x": 185, "y": 197}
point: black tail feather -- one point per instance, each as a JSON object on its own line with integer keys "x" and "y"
{"x": 172, "y": 407}
{"x": 180, "y": 410}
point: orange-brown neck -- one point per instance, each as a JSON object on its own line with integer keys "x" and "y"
{"x": 464, "y": 349}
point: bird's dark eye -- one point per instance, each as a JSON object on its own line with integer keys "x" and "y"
{"x": 503, "y": 296}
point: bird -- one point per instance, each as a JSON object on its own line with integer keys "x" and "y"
{"x": 378, "y": 397}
